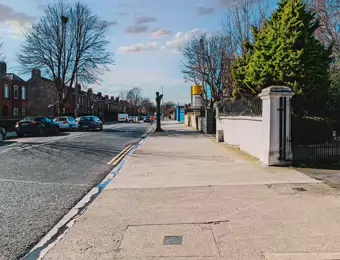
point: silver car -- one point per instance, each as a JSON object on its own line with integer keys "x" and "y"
{"x": 66, "y": 123}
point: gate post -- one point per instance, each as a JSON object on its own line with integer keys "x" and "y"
{"x": 276, "y": 135}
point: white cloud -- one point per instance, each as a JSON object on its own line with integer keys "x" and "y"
{"x": 145, "y": 19}
{"x": 231, "y": 3}
{"x": 135, "y": 29}
{"x": 202, "y": 10}
{"x": 14, "y": 22}
{"x": 161, "y": 33}
{"x": 139, "y": 47}
{"x": 181, "y": 38}
{"x": 112, "y": 23}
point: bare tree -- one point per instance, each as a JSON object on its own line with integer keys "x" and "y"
{"x": 67, "y": 41}
{"x": 240, "y": 16}
{"x": 134, "y": 97}
{"x": 91, "y": 56}
{"x": 207, "y": 60}
{"x": 2, "y": 53}
{"x": 147, "y": 106}
{"x": 328, "y": 12}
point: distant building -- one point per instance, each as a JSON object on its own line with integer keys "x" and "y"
{"x": 13, "y": 94}
{"x": 43, "y": 100}
{"x": 42, "y": 96}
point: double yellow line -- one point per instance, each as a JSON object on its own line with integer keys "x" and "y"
{"x": 148, "y": 132}
{"x": 119, "y": 157}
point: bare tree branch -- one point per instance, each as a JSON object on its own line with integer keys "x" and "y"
{"x": 239, "y": 19}
{"x": 328, "y": 12}
{"x": 208, "y": 61}
{"x": 67, "y": 41}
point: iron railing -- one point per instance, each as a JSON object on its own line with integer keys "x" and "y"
{"x": 241, "y": 107}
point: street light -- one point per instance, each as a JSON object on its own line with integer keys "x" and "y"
{"x": 64, "y": 21}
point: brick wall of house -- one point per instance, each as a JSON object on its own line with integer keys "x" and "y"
{"x": 13, "y": 106}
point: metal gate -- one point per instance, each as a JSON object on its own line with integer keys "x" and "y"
{"x": 315, "y": 139}
{"x": 284, "y": 138}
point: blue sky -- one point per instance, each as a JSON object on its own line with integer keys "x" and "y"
{"x": 146, "y": 38}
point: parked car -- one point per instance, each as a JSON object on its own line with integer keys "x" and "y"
{"x": 66, "y": 123}
{"x": 90, "y": 123}
{"x": 123, "y": 118}
{"x": 147, "y": 119}
{"x": 3, "y": 134}
{"x": 130, "y": 119}
{"x": 39, "y": 125}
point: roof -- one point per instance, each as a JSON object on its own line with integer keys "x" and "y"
{"x": 12, "y": 76}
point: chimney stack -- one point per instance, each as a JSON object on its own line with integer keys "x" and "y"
{"x": 3, "y": 68}
{"x": 36, "y": 74}
{"x": 78, "y": 88}
{"x": 89, "y": 91}
{"x": 99, "y": 94}
{"x": 106, "y": 97}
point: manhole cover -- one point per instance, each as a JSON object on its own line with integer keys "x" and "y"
{"x": 299, "y": 189}
{"x": 173, "y": 240}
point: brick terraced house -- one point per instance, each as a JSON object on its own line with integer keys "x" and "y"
{"x": 13, "y": 94}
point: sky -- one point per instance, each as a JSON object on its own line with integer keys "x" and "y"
{"x": 146, "y": 37}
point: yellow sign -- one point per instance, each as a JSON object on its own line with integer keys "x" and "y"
{"x": 197, "y": 90}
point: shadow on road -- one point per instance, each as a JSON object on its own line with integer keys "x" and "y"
{"x": 6, "y": 143}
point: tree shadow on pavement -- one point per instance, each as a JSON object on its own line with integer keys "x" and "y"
{"x": 179, "y": 133}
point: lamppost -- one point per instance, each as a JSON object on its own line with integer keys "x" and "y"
{"x": 64, "y": 21}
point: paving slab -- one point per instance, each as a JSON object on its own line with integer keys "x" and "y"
{"x": 195, "y": 240}
{"x": 303, "y": 256}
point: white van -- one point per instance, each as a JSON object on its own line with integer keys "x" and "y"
{"x": 123, "y": 118}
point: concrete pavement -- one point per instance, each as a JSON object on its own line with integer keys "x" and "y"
{"x": 183, "y": 197}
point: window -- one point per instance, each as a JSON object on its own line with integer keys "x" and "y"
{"x": 23, "y": 111}
{"x": 15, "y": 111}
{"x": 23, "y": 93}
{"x": 6, "y": 91}
{"x": 16, "y": 92}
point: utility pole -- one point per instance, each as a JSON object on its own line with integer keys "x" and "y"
{"x": 64, "y": 21}
{"x": 158, "y": 102}
{"x": 162, "y": 102}
{"x": 76, "y": 97}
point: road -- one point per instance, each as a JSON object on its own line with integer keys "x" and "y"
{"x": 42, "y": 178}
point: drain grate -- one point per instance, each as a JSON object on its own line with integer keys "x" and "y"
{"x": 173, "y": 240}
{"x": 299, "y": 189}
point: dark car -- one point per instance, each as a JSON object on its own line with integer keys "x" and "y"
{"x": 39, "y": 125}
{"x": 90, "y": 123}
{"x": 147, "y": 119}
{"x": 2, "y": 134}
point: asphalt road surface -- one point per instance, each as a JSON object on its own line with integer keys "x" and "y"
{"x": 42, "y": 178}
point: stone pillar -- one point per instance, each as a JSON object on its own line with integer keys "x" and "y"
{"x": 271, "y": 125}
{"x": 219, "y": 131}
